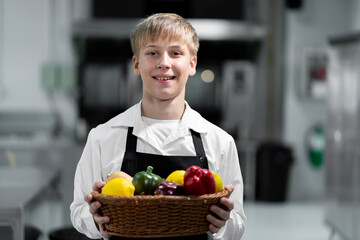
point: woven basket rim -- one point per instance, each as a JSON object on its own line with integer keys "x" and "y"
{"x": 223, "y": 193}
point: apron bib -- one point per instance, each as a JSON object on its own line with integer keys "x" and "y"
{"x": 163, "y": 165}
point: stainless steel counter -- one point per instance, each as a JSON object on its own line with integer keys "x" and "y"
{"x": 19, "y": 186}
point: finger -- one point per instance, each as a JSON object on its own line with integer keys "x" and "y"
{"x": 88, "y": 198}
{"x": 229, "y": 188}
{"x": 94, "y": 207}
{"x": 98, "y": 185}
{"x": 101, "y": 219}
{"x": 213, "y": 229}
{"x": 220, "y": 213}
{"x": 226, "y": 204}
{"x": 218, "y": 223}
{"x": 103, "y": 231}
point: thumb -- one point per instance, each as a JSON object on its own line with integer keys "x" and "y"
{"x": 230, "y": 189}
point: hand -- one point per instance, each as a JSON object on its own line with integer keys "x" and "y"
{"x": 94, "y": 209}
{"x": 220, "y": 214}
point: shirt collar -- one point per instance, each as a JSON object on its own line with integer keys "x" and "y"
{"x": 128, "y": 118}
{"x": 190, "y": 120}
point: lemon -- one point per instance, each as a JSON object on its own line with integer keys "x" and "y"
{"x": 177, "y": 177}
{"x": 119, "y": 187}
{"x": 218, "y": 182}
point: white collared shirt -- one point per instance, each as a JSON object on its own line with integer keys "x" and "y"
{"x": 105, "y": 148}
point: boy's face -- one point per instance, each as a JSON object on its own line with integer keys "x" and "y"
{"x": 164, "y": 68}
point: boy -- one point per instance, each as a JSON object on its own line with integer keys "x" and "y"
{"x": 162, "y": 131}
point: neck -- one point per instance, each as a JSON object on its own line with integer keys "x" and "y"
{"x": 163, "y": 110}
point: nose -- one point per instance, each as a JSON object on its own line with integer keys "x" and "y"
{"x": 164, "y": 61}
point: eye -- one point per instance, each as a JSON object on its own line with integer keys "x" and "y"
{"x": 176, "y": 53}
{"x": 151, "y": 53}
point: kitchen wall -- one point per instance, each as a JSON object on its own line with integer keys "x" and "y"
{"x": 25, "y": 45}
{"x": 309, "y": 27}
{"x": 35, "y": 39}
{"x": 355, "y": 20}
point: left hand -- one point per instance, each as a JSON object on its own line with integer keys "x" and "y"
{"x": 220, "y": 213}
{"x": 94, "y": 207}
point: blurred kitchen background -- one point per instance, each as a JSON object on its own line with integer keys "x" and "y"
{"x": 281, "y": 76}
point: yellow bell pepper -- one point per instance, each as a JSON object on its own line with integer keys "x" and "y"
{"x": 218, "y": 182}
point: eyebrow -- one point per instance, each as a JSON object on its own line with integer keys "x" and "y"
{"x": 156, "y": 46}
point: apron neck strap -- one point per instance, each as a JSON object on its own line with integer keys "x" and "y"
{"x": 199, "y": 148}
{"x": 131, "y": 141}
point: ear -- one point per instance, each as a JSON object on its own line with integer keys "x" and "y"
{"x": 193, "y": 62}
{"x": 136, "y": 66}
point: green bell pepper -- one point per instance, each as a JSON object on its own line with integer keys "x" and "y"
{"x": 145, "y": 183}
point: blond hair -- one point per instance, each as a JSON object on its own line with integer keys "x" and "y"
{"x": 167, "y": 26}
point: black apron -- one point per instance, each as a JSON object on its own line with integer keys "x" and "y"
{"x": 134, "y": 162}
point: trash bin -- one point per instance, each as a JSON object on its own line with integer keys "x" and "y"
{"x": 67, "y": 233}
{"x": 31, "y": 233}
{"x": 273, "y": 160}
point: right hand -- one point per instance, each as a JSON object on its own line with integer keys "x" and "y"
{"x": 94, "y": 209}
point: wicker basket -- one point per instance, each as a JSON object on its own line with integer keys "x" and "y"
{"x": 157, "y": 216}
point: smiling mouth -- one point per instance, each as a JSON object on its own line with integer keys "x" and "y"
{"x": 164, "y": 78}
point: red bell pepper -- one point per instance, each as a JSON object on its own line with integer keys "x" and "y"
{"x": 198, "y": 181}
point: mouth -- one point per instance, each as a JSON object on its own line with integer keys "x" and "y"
{"x": 164, "y": 78}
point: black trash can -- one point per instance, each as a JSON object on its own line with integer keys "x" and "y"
{"x": 32, "y": 233}
{"x": 67, "y": 233}
{"x": 273, "y": 161}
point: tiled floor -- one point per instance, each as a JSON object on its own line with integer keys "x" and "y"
{"x": 285, "y": 221}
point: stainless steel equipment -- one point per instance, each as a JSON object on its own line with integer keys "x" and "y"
{"x": 20, "y": 188}
{"x": 342, "y": 154}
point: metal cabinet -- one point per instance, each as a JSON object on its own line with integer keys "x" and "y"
{"x": 342, "y": 155}
{"x": 23, "y": 190}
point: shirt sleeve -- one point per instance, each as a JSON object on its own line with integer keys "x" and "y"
{"x": 86, "y": 174}
{"x": 231, "y": 174}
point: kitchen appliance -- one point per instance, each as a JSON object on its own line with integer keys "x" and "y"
{"x": 342, "y": 175}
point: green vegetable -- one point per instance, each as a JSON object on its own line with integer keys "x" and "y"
{"x": 146, "y": 182}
